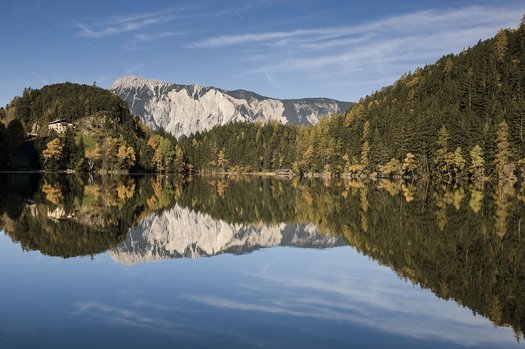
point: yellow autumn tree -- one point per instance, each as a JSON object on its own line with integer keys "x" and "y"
{"x": 392, "y": 168}
{"x": 500, "y": 45}
{"x": 164, "y": 152}
{"x": 93, "y": 156}
{"x": 126, "y": 156}
{"x": 52, "y": 154}
{"x": 477, "y": 163}
{"x": 409, "y": 165}
{"x": 222, "y": 162}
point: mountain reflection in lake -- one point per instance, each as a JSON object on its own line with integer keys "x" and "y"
{"x": 456, "y": 254}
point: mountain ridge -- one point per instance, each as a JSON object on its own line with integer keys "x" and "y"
{"x": 186, "y": 109}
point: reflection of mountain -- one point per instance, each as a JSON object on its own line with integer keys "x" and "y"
{"x": 408, "y": 228}
{"x": 181, "y": 232}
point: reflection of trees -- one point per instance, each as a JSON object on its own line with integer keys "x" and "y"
{"x": 470, "y": 260}
{"x": 397, "y": 224}
{"x": 463, "y": 243}
{"x": 504, "y": 191}
{"x": 73, "y": 215}
{"x": 476, "y": 199}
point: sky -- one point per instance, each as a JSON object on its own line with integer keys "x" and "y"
{"x": 278, "y": 48}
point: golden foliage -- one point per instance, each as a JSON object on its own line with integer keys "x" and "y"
{"x": 500, "y": 45}
{"x": 53, "y": 193}
{"x": 53, "y": 149}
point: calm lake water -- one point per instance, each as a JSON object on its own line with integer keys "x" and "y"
{"x": 159, "y": 262}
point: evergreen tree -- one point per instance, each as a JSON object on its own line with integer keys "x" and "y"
{"x": 442, "y": 156}
{"x": 69, "y": 149}
{"x": 458, "y": 162}
{"x": 365, "y": 151}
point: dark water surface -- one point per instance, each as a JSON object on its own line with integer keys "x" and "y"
{"x": 159, "y": 262}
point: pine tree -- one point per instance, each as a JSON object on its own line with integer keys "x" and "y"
{"x": 179, "y": 159}
{"x": 441, "y": 159}
{"x": 78, "y": 161}
{"x": 365, "y": 150}
{"x": 448, "y": 66}
{"x": 458, "y": 161}
{"x": 477, "y": 163}
{"x": 69, "y": 149}
{"x": 500, "y": 45}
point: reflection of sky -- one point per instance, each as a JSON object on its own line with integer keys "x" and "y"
{"x": 281, "y": 297}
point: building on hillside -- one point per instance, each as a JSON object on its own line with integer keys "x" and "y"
{"x": 60, "y": 126}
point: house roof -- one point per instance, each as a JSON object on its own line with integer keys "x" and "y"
{"x": 59, "y": 122}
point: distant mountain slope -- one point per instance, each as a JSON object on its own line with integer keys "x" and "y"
{"x": 186, "y": 109}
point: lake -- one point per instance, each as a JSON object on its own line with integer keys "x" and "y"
{"x": 211, "y": 262}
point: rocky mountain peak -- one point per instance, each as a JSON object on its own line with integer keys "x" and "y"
{"x": 185, "y": 109}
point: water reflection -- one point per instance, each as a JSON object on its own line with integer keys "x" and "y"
{"x": 181, "y": 232}
{"x": 462, "y": 242}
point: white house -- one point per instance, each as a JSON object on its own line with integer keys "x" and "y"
{"x": 60, "y": 126}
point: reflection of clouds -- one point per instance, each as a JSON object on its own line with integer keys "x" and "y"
{"x": 363, "y": 293}
{"x": 171, "y": 320}
{"x": 124, "y": 316}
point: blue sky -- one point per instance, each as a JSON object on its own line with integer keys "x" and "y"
{"x": 278, "y": 48}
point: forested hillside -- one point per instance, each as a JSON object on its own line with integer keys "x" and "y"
{"x": 80, "y": 127}
{"x": 460, "y": 117}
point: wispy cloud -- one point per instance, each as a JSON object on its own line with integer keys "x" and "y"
{"x": 113, "y": 25}
{"x": 434, "y": 20}
{"x": 157, "y": 36}
{"x": 365, "y": 52}
{"x": 125, "y": 316}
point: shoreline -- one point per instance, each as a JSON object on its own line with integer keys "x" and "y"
{"x": 274, "y": 174}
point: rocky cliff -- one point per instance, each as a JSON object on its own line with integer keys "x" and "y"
{"x": 185, "y": 109}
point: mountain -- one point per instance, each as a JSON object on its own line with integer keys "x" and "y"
{"x": 181, "y": 232}
{"x": 185, "y": 109}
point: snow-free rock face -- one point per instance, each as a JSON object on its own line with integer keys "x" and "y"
{"x": 181, "y": 232}
{"x": 185, "y": 109}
